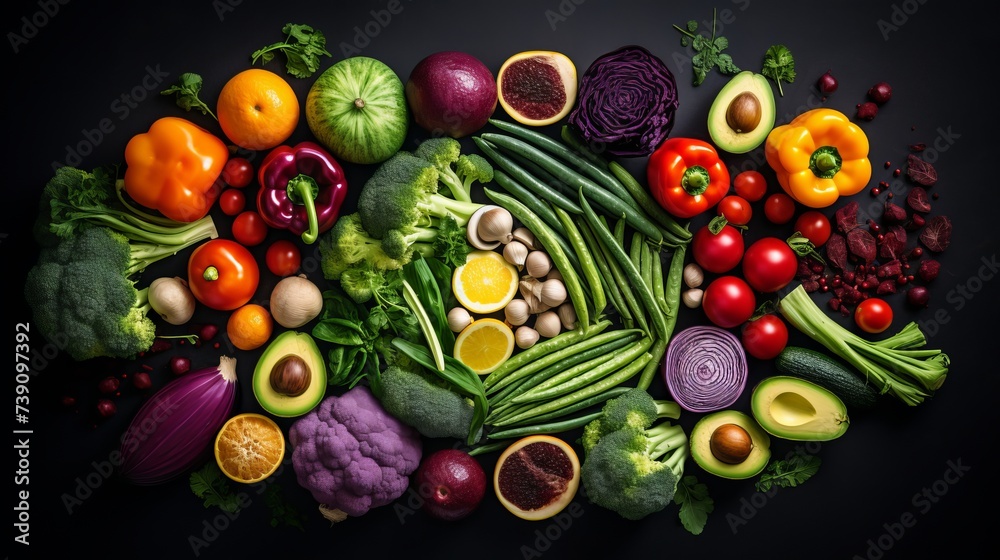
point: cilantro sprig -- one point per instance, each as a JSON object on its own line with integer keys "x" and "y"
{"x": 695, "y": 504}
{"x": 303, "y": 46}
{"x": 708, "y": 50}
{"x": 186, "y": 90}
{"x": 208, "y": 484}
{"x": 787, "y": 473}
{"x": 779, "y": 65}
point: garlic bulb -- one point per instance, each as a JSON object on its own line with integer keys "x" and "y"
{"x": 567, "y": 314}
{"x": 459, "y": 318}
{"x": 515, "y": 253}
{"x": 552, "y": 292}
{"x": 517, "y": 312}
{"x": 538, "y": 264}
{"x": 548, "y": 324}
{"x": 525, "y": 236}
{"x": 693, "y": 275}
{"x": 496, "y": 224}
{"x": 692, "y": 297}
{"x": 525, "y": 337}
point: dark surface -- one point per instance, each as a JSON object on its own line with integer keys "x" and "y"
{"x": 74, "y": 68}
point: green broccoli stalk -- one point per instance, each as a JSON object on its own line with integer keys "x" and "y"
{"x": 635, "y": 408}
{"x": 634, "y": 471}
{"x": 456, "y": 170}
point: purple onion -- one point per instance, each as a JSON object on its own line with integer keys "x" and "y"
{"x": 705, "y": 368}
{"x": 177, "y": 424}
{"x": 626, "y": 103}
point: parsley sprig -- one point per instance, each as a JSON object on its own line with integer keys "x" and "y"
{"x": 208, "y": 484}
{"x": 779, "y": 65}
{"x": 186, "y": 89}
{"x": 695, "y": 504}
{"x": 303, "y": 46}
{"x": 708, "y": 51}
{"x": 790, "y": 472}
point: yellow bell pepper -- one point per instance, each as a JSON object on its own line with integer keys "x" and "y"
{"x": 819, "y": 156}
{"x": 174, "y": 168}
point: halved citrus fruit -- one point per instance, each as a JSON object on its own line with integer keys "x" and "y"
{"x": 537, "y": 88}
{"x": 257, "y": 109}
{"x": 484, "y": 345}
{"x": 485, "y": 283}
{"x": 249, "y": 447}
{"x": 537, "y": 476}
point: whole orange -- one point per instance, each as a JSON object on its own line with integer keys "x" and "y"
{"x": 257, "y": 109}
{"x": 250, "y": 326}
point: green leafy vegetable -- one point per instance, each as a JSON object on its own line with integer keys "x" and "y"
{"x": 790, "y": 472}
{"x": 779, "y": 65}
{"x": 208, "y": 484}
{"x": 302, "y": 46}
{"x": 186, "y": 89}
{"x": 282, "y": 511}
{"x": 708, "y": 51}
{"x": 695, "y": 504}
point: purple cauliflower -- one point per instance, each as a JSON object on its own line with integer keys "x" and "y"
{"x": 352, "y": 455}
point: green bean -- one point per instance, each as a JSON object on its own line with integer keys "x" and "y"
{"x": 612, "y": 289}
{"x": 546, "y": 428}
{"x": 672, "y": 299}
{"x": 488, "y": 447}
{"x": 656, "y": 273}
{"x": 628, "y": 296}
{"x": 540, "y": 349}
{"x": 648, "y": 203}
{"x": 528, "y": 180}
{"x": 598, "y": 399}
{"x": 586, "y": 258}
{"x": 576, "y": 143}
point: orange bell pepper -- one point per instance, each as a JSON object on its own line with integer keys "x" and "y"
{"x": 174, "y": 168}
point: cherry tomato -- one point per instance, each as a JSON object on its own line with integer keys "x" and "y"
{"x": 765, "y": 337}
{"x": 222, "y": 274}
{"x": 814, "y": 226}
{"x": 238, "y": 172}
{"x": 750, "y": 184}
{"x": 249, "y": 228}
{"x": 769, "y": 264}
{"x": 717, "y": 252}
{"x": 728, "y": 301}
{"x": 873, "y": 315}
{"x": 735, "y": 209}
{"x": 779, "y": 208}
{"x": 283, "y": 257}
{"x": 232, "y": 201}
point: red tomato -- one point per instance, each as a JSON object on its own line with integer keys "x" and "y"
{"x": 717, "y": 252}
{"x": 728, "y": 301}
{"x": 249, "y": 228}
{"x": 232, "y": 201}
{"x": 238, "y": 172}
{"x": 873, "y": 315}
{"x": 735, "y": 209}
{"x": 222, "y": 274}
{"x": 765, "y": 337}
{"x": 750, "y": 184}
{"x": 779, "y": 208}
{"x": 814, "y": 226}
{"x": 283, "y": 257}
{"x": 769, "y": 264}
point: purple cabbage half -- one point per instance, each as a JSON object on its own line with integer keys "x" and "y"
{"x": 705, "y": 368}
{"x": 626, "y": 103}
{"x": 174, "y": 428}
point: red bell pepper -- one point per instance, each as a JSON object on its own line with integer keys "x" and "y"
{"x": 687, "y": 176}
{"x": 301, "y": 190}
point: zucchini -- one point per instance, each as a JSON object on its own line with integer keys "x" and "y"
{"x": 828, "y": 372}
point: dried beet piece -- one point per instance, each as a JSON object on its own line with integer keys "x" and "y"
{"x": 893, "y": 243}
{"x": 886, "y": 287}
{"x": 920, "y": 171}
{"x": 918, "y": 147}
{"x": 834, "y": 304}
{"x": 928, "y": 270}
{"x": 936, "y": 235}
{"x": 836, "y": 251}
{"x": 861, "y": 244}
{"x": 852, "y": 296}
{"x": 893, "y": 213}
{"x": 847, "y": 217}
{"x": 917, "y": 200}
{"x": 810, "y": 286}
{"x": 890, "y": 269}
{"x": 916, "y": 222}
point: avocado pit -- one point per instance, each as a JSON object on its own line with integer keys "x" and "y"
{"x": 744, "y": 112}
{"x": 290, "y": 376}
{"x": 731, "y": 444}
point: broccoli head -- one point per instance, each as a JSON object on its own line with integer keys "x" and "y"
{"x": 634, "y": 471}
{"x": 635, "y": 408}
{"x": 347, "y": 245}
{"x": 473, "y": 168}
{"x": 457, "y": 171}
{"x": 425, "y": 403}
{"x": 82, "y": 296}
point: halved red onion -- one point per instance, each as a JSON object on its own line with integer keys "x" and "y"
{"x": 176, "y": 425}
{"x": 705, "y": 368}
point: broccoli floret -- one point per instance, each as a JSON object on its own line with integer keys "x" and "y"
{"x": 634, "y": 471}
{"x": 457, "y": 171}
{"x": 82, "y": 296}
{"x": 473, "y": 168}
{"x": 635, "y": 408}
{"x": 347, "y": 245}
{"x": 424, "y": 403}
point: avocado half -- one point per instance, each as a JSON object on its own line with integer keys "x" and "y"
{"x": 704, "y": 457}
{"x": 742, "y": 114}
{"x": 797, "y": 409}
{"x": 304, "y": 388}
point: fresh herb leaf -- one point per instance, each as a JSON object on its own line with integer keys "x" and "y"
{"x": 708, "y": 51}
{"x": 282, "y": 512}
{"x": 779, "y": 65}
{"x": 695, "y": 504}
{"x": 207, "y": 483}
{"x": 187, "y": 88}
{"x": 787, "y": 473}
{"x": 303, "y": 46}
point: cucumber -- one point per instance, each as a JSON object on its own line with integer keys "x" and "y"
{"x": 828, "y": 372}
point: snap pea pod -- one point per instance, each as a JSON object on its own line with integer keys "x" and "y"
{"x": 545, "y": 428}
{"x": 672, "y": 299}
{"x": 565, "y": 338}
{"x": 587, "y": 264}
{"x": 546, "y": 235}
{"x": 598, "y": 399}
{"x": 656, "y": 274}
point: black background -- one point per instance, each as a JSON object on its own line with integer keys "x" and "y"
{"x": 72, "y": 66}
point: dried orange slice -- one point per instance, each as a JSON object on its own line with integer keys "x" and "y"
{"x": 249, "y": 447}
{"x": 537, "y": 476}
{"x": 484, "y": 345}
{"x": 485, "y": 283}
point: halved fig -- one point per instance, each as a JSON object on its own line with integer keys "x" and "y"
{"x": 537, "y": 476}
{"x": 537, "y": 88}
